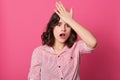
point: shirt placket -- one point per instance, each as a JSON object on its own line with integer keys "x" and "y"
{"x": 59, "y": 64}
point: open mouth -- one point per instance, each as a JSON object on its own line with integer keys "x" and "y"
{"x": 62, "y": 34}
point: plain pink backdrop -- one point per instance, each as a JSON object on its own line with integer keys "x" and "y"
{"x": 23, "y": 21}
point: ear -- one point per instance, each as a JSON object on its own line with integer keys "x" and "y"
{"x": 71, "y": 12}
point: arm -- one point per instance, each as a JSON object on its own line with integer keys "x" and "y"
{"x": 85, "y": 34}
{"x": 34, "y": 73}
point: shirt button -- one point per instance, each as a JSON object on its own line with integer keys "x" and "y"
{"x": 58, "y": 56}
{"x": 61, "y": 78}
{"x": 59, "y": 66}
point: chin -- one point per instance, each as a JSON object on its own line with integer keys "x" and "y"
{"x": 62, "y": 41}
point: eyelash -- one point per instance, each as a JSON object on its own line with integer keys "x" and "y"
{"x": 68, "y": 25}
{"x": 59, "y": 24}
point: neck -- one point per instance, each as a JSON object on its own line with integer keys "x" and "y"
{"x": 58, "y": 46}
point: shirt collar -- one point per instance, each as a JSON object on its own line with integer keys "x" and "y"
{"x": 51, "y": 50}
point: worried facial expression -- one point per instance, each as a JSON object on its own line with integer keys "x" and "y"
{"x": 61, "y": 31}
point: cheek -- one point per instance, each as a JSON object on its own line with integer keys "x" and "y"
{"x": 56, "y": 29}
{"x": 69, "y": 31}
{"x": 55, "y": 32}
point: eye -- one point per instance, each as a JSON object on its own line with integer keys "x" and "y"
{"x": 68, "y": 25}
{"x": 59, "y": 24}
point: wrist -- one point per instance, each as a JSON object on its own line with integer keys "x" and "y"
{"x": 70, "y": 21}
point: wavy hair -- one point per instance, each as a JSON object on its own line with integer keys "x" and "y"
{"x": 48, "y": 37}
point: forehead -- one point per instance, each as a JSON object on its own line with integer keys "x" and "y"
{"x": 62, "y": 21}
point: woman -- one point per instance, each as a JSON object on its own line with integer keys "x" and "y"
{"x": 58, "y": 58}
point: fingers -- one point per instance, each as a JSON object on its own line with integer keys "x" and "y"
{"x": 71, "y": 12}
{"x": 63, "y": 8}
{"x": 60, "y": 7}
{"x": 61, "y": 11}
{"x": 58, "y": 13}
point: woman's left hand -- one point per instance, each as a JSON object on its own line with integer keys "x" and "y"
{"x": 63, "y": 13}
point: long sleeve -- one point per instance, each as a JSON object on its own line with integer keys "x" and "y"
{"x": 83, "y": 48}
{"x": 35, "y": 68}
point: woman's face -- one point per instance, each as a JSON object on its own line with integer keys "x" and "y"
{"x": 61, "y": 31}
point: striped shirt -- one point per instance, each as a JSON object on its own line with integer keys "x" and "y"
{"x": 47, "y": 65}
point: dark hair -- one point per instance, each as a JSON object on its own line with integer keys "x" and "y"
{"x": 48, "y": 37}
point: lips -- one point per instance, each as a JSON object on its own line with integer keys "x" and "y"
{"x": 63, "y": 35}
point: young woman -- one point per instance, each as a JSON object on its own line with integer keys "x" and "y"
{"x": 58, "y": 58}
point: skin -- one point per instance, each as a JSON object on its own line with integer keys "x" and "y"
{"x": 84, "y": 33}
{"x": 62, "y": 27}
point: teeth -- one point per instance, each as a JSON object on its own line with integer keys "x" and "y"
{"x": 62, "y": 34}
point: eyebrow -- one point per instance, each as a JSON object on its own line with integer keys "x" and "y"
{"x": 62, "y": 22}
{"x": 59, "y": 22}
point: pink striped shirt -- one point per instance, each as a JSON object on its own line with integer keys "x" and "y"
{"x": 47, "y": 65}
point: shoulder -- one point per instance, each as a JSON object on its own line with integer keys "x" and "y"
{"x": 39, "y": 49}
{"x": 79, "y": 42}
{"x": 82, "y": 47}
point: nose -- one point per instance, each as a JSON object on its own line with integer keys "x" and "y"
{"x": 63, "y": 28}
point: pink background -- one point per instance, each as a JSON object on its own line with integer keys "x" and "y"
{"x": 23, "y": 21}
